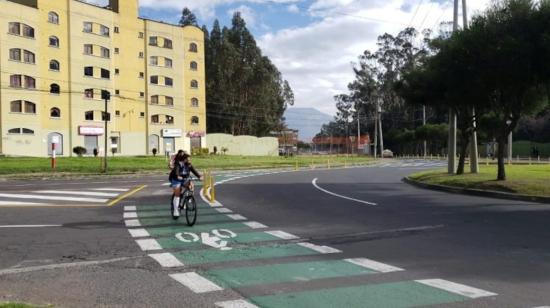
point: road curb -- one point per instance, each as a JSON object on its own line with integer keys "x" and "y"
{"x": 477, "y": 192}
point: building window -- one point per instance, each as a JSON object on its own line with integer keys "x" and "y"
{"x": 26, "y": 131}
{"x": 30, "y": 83}
{"x": 117, "y": 113}
{"x": 14, "y": 28}
{"x": 193, "y": 66}
{"x": 53, "y": 18}
{"x": 89, "y": 115}
{"x": 154, "y": 60}
{"x": 141, "y": 54}
{"x": 15, "y": 81}
{"x": 140, "y": 35}
{"x": 54, "y": 41}
{"x": 153, "y": 41}
{"x": 105, "y": 116}
{"x": 167, "y": 62}
{"x": 155, "y": 79}
{"x": 89, "y": 93}
{"x": 105, "y": 74}
{"x": 116, "y": 29}
{"x": 15, "y": 54}
{"x": 117, "y": 71}
{"x": 105, "y": 52}
{"x": 16, "y": 106}
{"x": 55, "y": 112}
{"x": 155, "y": 99}
{"x": 14, "y": 131}
{"x": 54, "y": 88}
{"x": 169, "y": 119}
{"x": 155, "y": 119}
{"x": 117, "y": 92}
{"x": 169, "y": 101}
{"x": 168, "y": 81}
{"x": 89, "y": 71}
{"x": 28, "y": 57}
{"x": 142, "y": 114}
{"x": 194, "y": 120}
{"x": 28, "y": 31}
{"x": 141, "y": 94}
{"x": 117, "y": 50}
{"x": 193, "y": 47}
{"x": 141, "y": 75}
{"x": 54, "y": 65}
{"x": 167, "y": 43}
{"x": 88, "y": 27}
{"x": 103, "y": 30}
{"x": 30, "y": 107}
{"x": 194, "y": 102}
{"x": 88, "y": 49}
{"x": 194, "y": 84}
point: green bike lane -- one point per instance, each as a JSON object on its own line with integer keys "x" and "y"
{"x": 273, "y": 258}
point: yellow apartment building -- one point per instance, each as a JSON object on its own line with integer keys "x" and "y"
{"x": 57, "y": 58}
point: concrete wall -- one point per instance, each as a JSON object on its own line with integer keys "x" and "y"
{"x": 243, "y": 145}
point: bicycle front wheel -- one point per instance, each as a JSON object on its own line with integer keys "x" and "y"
{"x": 190, "y": 210}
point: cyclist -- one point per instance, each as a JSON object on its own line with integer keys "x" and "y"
{"x": 180, "y": 178}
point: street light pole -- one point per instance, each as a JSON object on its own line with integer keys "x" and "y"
{"x": 106, "y": 95}
{"x": 358, "y": 131}
{"x": 451, "y": 145}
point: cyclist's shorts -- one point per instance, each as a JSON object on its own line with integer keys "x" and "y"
{"x": 177, "y": 183}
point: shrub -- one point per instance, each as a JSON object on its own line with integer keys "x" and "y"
{"x": 79, "y": 151}
{"x": 154, "y": 152}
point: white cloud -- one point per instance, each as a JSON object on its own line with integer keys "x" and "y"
{"x": 247, "y": 13}
{"x": 293, "y": 8}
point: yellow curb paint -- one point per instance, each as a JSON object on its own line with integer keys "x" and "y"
{"x": 117, "y": 200}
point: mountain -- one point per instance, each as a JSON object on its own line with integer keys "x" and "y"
{"x": 307, "y": 120}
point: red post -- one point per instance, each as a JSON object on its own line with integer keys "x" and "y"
{"x": 53, "y": 156}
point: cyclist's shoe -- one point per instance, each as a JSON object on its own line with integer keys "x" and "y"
{"x": 176, "y": 211}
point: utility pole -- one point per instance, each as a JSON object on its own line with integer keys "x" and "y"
{"x": 106, "y": 95}
{"x": 424, "y": 124}
{"x": 376, "y": 131}
{"x": 358, "y": 132}
{"x": 380, "y": 126}
{"x": 451, "y": 144}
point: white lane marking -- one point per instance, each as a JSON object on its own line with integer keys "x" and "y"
{"x": 196, "y": 282}
{"x": 138, "y": 233}
{"x": 224, "y": 210}
{"x": 132, "y": 223}
{"x": 130, "y": 208}
{"x": 236, "y": 217}
{"x": 19, "y": 196}
{"x": 60, "y": 265}
{"x": 456, "y": 288}
{"x": 148, "y": 244}
{"x": 130, "y": 215}
{"x": 542, "y": 307}
{"x": 166, "y": 184}
{"x": 255, "y": 225}
{"x": 212, "y": 204}
{"x": 377, "y": 266}
{"x": 282, "y": 235}
{"x": 30, "y": 226}
{"x": 320, "y": 249}
{"x": 112, "y": 189}
{"x": 20, "y": 203}
{"x": 314, "y": 182}
{"x": 77, "y": 193}
{"x": 240, "y": 303}
{"x": 166, "y": 259}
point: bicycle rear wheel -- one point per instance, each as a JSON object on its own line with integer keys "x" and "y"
{"x": 190, "y": 210}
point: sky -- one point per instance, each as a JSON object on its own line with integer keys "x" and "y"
{"x": 314, "y": 43}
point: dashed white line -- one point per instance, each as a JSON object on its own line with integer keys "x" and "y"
{"x": 148, "y": 244}
{"x": 240, "y": 303}
{"x": 255, "y": 225}
{"x": 132, "y": 223}
{"x": 196, "y": 282}
{"x": 377, "y": 266}
{"x": 224, "y": 210}
{"x": 456, "y": 288}
{"x": 320, "y": 249}
{"x": 111, "y": 189}
{"x": 314, "y": 182}
{"x": 138, "y": 233}
{"x": 30, "y": 226}
{"x": 130, "y": 215}
{"x": 236, "y": 217}
{"x": 130, "y": 208}
{"x": 58, "y": 198}
{"x": 20, "y": 203}
{"x": 77, "y": 193}
{"x": 166, "y": 259}
{"x": 282, "y": 235}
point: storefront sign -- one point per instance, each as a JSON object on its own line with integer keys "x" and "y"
{"x": 90, "y": 131}
{"x": 172, "y": 132}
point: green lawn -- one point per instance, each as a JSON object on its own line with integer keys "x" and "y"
{"x": 17, "y": 305}
{"x": 521, "y": 179}
{"x": 117, "y": 165}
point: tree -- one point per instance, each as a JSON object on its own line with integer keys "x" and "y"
{"x": 188, "y": 18}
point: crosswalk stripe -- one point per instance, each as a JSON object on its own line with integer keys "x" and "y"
{"x": 320, "y": 249}
{"x": 236, "y": 217}
{"x": 57, "y": 198}
{"x": 132, "y": 223}
{"x": 130, "y": 215}
{"x": 282, "y": 235}
{"x": 148, "y": 244}
{"x": 138, "y": 233}
{"x": 224, "y": 210}
{"x": 240, "y": 303}
{"x": 255, "y": 225}
{"x": 19, "y": 203}
{"x": 196, "y": 282}
{"x": 456, "y": 288}
{"x": 77, "y": 193}
{"x": 377, "y": 266}
{"x": 112, "y": 189}
{"x": 166, "y": 259}
{"x": 130, "y": 208}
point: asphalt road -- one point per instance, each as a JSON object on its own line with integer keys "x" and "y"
{"x": 371, "y": 241}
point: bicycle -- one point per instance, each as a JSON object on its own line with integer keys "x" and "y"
{"x": 187, "y": 202}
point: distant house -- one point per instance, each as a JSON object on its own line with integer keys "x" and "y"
{"x": 288, "y": 141}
